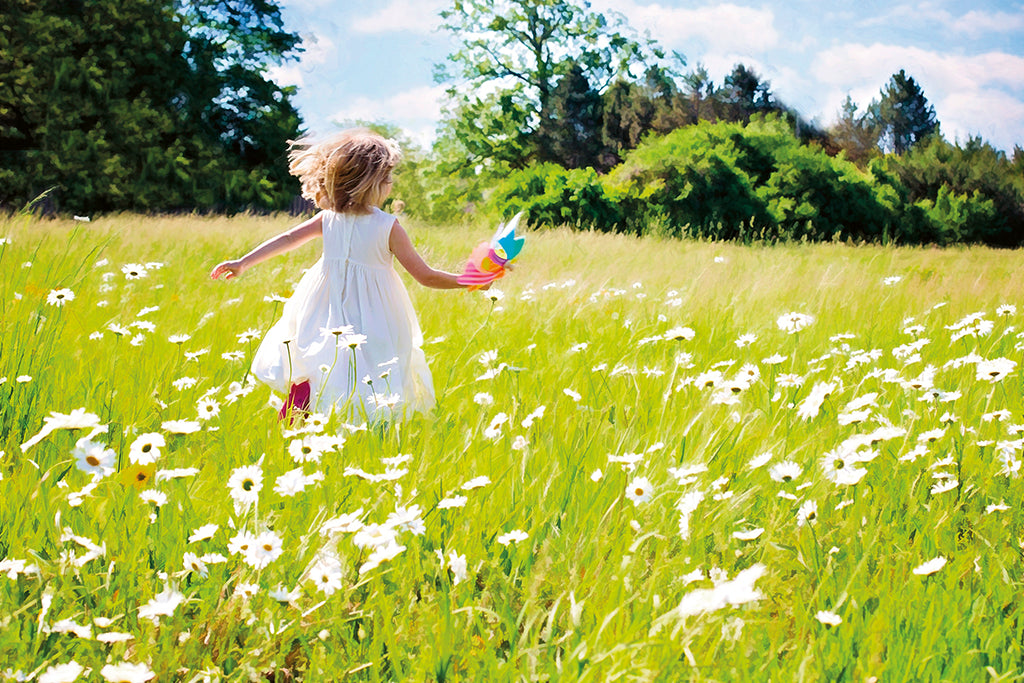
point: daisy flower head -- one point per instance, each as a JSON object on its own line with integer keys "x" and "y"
{"x": 514, "y": 536}
{"x": 59, "y": 297}
{"x": 134, "y": 271}
{"x": 785, "y": 472}
{"x": 828, "y": 618}
{"x": 62, "y": 673}
{"x": 639, "y": 490}
{"x": 791, "y": 323}
{"x": 162, "y": 604}
{"x": 326, "y": 574}
{"x": 146, "y": 448}
{"x": 994, "y": 370}
{"x": 126, "y": 672}
{"x": 245, "y": 484}
{"x": 265, "y": 548}
{"x": 808, "y": 513}
{"x": 930, "y": 567}
{"x": 94, "y": 458}
{"x": 679, "y": 334}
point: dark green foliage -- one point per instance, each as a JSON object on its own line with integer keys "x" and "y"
{"x": 979, "y": 191}
{"x": 760, "y": 182}
{"x": 572, "y": 135}
{"x": 903, "y": 116}
{"x": 552, "y": 195}
{"x": 136, "y": 105}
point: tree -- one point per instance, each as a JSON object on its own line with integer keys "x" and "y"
{"x": 699, "y": 90}
{"x": 903, "y": 115}
{"x": 745, "y": 94}
{"x": 523, "y": 48}
{"x": 133, "y": 104}
{"x": 854, "y": 133}
{"x": 571, "y": 136}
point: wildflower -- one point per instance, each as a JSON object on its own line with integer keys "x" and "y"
{"x": 807, "y": 514}
{"x": 794, "y": 322}
{"x": 59, "y": 297}
{"x": 146, "y": 448}
{"x": 749, "y": 535}
{"x": 154, "y": 497}
{"x": 248, "y": 335}
{"x": 241, "y": 543}
{"x": 114, "y": 637}
{"x": 745, "y": 340}
{"x": 126, "y": 672}
{"x": 483, "y": 399}
{"x": 596, "y": 475}
{"x": 162, "y": 604}
{"x": 514, "y": 536}
{"x": 476, "y": 482}
{"x": 460, "y": 569}
{"x": 94, "y": 458}
{"x": 811, "y": 405}
{"x": 307, "y": 449}
{"x": 381, "y": 554}
{"x": 828, "y": 618}
{"x": 639, "y": 490}
{"x": 738, "y": 591}
{"x": 245, "y": 484}
{"x": 62, "y": 673}
{"x": 679, "y": 334}
{"x": 326, "y": 575}
{"x": 931, "y": 566}
{"x": 575, "y": 396}
{"x": 353, "y": 341}
{"x": 291, "y": 482}
{"x": 452, "y": 502}
{"x": 840, "y": 467}
{"x": 994, "y": 370}
{"x": 203, "y": 533}
{"x": 785, "y": 472}
{"x": 265, "y": 548}
{"x": 193, "y": 563}
{"x": 1006, "y": 309}
{"x": 180, "y": 426}
{"x": 134, "y": 271}
{"x": 943, "y": 485}
{"x": 519, "y": 443}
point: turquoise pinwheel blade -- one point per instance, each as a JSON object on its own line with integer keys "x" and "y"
{"x": 506, "y": 239}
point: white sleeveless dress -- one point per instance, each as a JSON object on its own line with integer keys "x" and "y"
{"x": 353, "y": 285}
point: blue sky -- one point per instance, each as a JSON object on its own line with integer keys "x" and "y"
{"x": 373, "y": 59}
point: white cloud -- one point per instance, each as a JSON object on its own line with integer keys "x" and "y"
{"x": 975, "y": 22}
{"x": 413, "y": 16}
{"x": 965, "y": 90}
{"x": 994, "y": 115}
{"x": 415, "y": 111}
{"x": 721, "y": 28}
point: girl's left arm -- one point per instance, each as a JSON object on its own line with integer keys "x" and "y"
{"x": 286, "y": 241}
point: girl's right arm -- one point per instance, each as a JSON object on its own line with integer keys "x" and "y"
{"x": 401, "y": 247}
{"x": 286, "y": 241}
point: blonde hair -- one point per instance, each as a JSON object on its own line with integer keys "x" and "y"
{"x": 350, "y": 170}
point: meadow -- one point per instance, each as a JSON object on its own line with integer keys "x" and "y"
{"x": 650, "y": 460}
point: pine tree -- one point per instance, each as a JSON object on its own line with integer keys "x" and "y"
{"x": 572, "y": 135}
{"x": 903, "y": 115}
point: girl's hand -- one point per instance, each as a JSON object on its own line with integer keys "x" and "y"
{"x": 228, "y": 269}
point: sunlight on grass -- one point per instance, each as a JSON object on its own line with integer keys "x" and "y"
{"x": 652, "y": 460}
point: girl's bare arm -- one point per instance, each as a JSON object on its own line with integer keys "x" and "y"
{"x": 401, "y": 247}
{"x": 286, "y": 241}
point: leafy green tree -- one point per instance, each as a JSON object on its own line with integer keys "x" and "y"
{"x": 128, "y": 104}
{"x": 524, "y": 47}
{"x": 903, "y": 115}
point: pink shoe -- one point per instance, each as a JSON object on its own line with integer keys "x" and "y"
{"x": 298, "y": 400}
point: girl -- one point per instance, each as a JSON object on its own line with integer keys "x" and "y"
{"x": 350, "y": 318}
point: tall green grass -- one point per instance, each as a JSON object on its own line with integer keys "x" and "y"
{"x": 601, "y": 588}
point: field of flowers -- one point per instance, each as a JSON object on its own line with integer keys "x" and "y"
{"x": 649, "y": 461}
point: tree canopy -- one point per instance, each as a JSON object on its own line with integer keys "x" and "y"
{"x": 144, "y": 104}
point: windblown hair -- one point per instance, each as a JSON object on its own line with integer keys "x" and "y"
{"x": 348, "y": 172}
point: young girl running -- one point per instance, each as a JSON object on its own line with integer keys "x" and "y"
{"x": 351, "y": 306}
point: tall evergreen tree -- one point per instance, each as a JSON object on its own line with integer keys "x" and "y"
{"x": 854, "y": 133}
{"x": 903, "y": 115}
{"x": 571, "y": 136}
{"x": 744, "y": 94}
